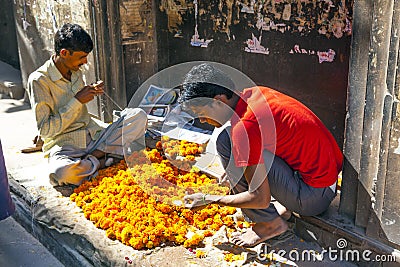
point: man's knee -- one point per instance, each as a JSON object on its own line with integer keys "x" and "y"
{"x": 65, "y": 175}
{"x": 74, "y": 172}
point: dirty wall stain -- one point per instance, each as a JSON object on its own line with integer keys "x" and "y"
{"x": 41, "y": 19}
{"x": 136, "y": 20}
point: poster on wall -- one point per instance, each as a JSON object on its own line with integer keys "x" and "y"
{"x": 331, "y": 19}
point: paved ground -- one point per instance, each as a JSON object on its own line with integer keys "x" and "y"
{"x": 17, "y": 131}
{"x": 18, "y": 248}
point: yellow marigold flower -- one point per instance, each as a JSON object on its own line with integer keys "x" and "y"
{"x": 200, "y": 254}
{"x": 179, "y": 239}
{"x": 150, "y": 244}
{"x": 120, "y": 199}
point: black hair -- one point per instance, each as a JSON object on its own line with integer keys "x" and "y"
{"x": 205, "y": 82}
{"x": 200, "y": 93}
{"x": 73, "y": 38}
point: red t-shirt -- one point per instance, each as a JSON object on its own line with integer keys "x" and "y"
{"x": 267, "y": 119}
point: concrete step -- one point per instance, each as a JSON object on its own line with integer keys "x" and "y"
{"x": 19, "y": 248}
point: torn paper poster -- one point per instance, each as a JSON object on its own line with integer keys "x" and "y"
{"x": 254, "y": 46}
{"x": 296, "y": 50}
{"x": 323, "y": 56}
{"x": 287, "y": 11}
{"x": 327, "y": 56}
{"x": 178, "y": 34}
{"x": 25, "y": 24}
{"x": 247, "y": 8}
{"x": 201, "y": 43}
{"x": 337, "y": 27}
{"x": 196, "y": 41}
{"x": 348, "y": 27}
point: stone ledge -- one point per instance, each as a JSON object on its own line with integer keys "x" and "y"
{"x": 326, "y": 233}
{"x": 65, "y": 237}
{"x": 61, "y": 227}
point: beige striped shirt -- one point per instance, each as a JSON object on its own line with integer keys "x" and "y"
{"x": 61, "y": 118}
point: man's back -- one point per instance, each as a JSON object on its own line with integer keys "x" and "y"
{"x": 301, "y": 139}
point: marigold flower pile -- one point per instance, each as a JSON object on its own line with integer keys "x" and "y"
{"x": 182, "y": 148}
{"x": 130, "y": 204}
{"x": 230, "y": 257}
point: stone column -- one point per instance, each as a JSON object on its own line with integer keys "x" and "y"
{"x": 371, "y": 173}
{"x": 358, "y": 72}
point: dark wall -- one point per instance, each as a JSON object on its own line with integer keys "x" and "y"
{"x": 291, "y": 34}
{"x": 137, "y": 23}
{"x": 8, "y": 37}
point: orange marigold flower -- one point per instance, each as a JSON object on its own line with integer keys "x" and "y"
{"x": 120, "y": 199}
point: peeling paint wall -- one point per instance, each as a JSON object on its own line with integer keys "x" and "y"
{"x": 37, "y": 22}
{"x": 8, "y": 38}
{"x": 326, "y": 17}
{"x": 136, "y": 20}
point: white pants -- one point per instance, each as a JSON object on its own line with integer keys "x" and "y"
{"x": 69, "y": 165}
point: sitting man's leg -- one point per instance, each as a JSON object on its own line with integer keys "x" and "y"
{"x": 289, "y": 189}
{"x": 268, "y": 223}
{"x": 130, "y": 128}
{"x": 71, "y": 166}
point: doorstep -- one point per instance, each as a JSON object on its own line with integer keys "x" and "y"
{"x": 335, "y": 231}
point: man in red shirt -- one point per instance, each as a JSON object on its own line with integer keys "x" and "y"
{"x": 280, "y": 146}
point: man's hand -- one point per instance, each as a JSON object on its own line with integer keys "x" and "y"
{"x": 99, "y": 85}
{"x": 87, "y": 93}
{"x": 195, "y": 201}
{"x": 198, "y": 201}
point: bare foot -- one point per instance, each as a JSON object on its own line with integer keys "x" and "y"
{"x": 282, "y": 210}
{"x": 286, "y": 215}
{"x": 98, "y": 153}
{"x": 102, "y": 162}
{"x": 260, "y": 232}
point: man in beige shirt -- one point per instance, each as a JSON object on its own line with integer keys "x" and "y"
{"x": 75, "y": 143}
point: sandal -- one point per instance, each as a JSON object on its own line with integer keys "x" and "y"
{"x": 38, "y": 142}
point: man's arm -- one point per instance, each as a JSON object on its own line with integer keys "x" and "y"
{"x": 258, "y": 196}
{"x": 88, "y": 92}
{"x": 51, "y": 122}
